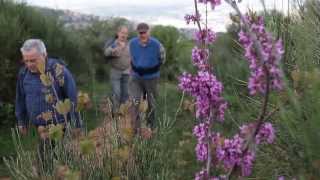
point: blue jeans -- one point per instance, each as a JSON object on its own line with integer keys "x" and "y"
{"x": 119, "y": 83}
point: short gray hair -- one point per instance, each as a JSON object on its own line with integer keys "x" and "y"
{"x": 37, "y": 44}
{"x": 122, "y": 27}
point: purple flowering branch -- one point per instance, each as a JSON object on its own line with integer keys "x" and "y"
{"x": 263, "y": 56}
{"x": 203, "y": 45}
{"x": 200, "y": 57}
{"x": 259, "y": 51}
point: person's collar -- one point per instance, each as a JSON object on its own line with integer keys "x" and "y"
{"x": 146, "y": 43}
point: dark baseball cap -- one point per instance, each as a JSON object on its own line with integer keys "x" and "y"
{"x": 142, "y": 27}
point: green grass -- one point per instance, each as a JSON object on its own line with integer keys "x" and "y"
{"x": 168, "y": 117}
{"x": 97, "y": 91}
{"x": 296, "y": 150}
{"x": 91, "y": 119}
{"x": 176, "y": 124}
{"x": 8, "y": 149}
{"x": 176, "y": 147}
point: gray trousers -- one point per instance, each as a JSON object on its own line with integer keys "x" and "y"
{"x": 144, "y": 88}
{"x": 119, "y": 83}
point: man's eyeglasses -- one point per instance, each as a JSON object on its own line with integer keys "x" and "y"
{"x": 143, "y": 32}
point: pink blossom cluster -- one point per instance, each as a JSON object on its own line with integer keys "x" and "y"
{"x": 230, "y": 153}
{"x": 247, "y": 163}
{"x": 201, "y": 133}
{"x": 213, "y": 3}
{"x": 202, "y": 151}
{"x": 206, "y": 36}
{"x": 272, "y": 52}
{"x": 207, "y": 91}
{"x": 192, "y": 18}
{"x": 200, "y": 57}
{"x": 203, "y": 138}
{"x": 265, "y": 135}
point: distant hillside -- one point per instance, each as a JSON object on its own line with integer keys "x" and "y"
{"x": 79, "y": 20}
{"x": 69, "y": 18}
{"x": 187, "y": 32}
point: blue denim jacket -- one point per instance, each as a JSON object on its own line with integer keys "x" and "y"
{"x": 31, "y": 96}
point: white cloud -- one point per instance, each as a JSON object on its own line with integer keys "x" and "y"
{"x": 167, "y": 12}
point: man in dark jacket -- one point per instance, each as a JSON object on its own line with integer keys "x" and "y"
{"x": 38, "y": 92}
{"x": 46, "y": 94}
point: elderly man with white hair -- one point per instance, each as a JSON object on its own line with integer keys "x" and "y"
{"x": 33, "y": 97}
{"x": 42, "y": 82}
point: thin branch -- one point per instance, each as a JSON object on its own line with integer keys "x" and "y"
{"x": 209, "y": 153}
{"x": 266, "y": 97}
{"x": 206, "y": 16}
{"x": 197, "y": 14}
{"x": 261, "y": 118}
{"x": 264, "y": 6}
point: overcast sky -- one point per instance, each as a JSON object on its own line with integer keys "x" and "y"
{"x": 166, "y": 12}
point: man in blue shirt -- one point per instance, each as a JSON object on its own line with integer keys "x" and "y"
{"x": 147, "y": 55}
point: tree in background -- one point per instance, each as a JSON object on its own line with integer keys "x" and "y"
{"x": 176, "y": 45}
